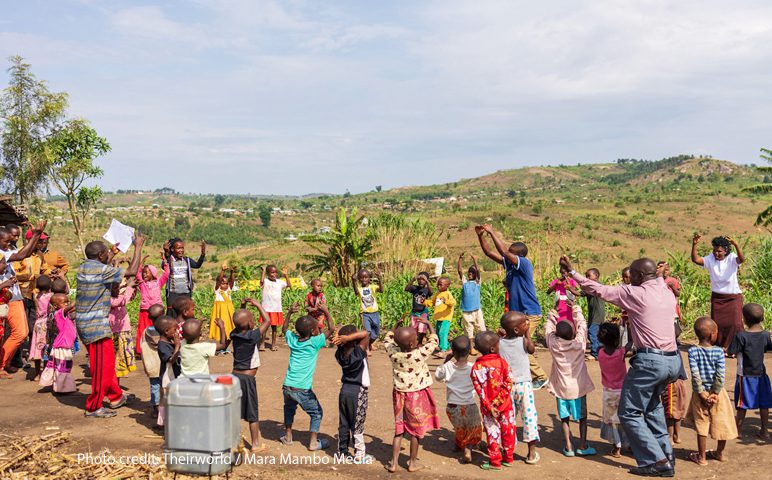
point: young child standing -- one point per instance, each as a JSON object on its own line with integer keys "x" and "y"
{"x": 611, "y": 359}
{"x": 298, "y": 383}
{"x": 223, "y": 305}
{"x": 752, "y": 388}
{"x": 371, "y": 316}
{"x": 355, "y": 382}
{"x": 180, "y": 282}
{"x": 461, "y": 409}
{"x": 314, "y": 300}
{"x": 61, "y": 335}
{"x": 471, "y": 311}
{"x": 120, "y": 324}
{"x": 150, "y": 362}
{"x": 421, "y": 292}
{"x": 569, "y": 380}
{"x": 562, "y": 287}
{"x": 272, "y": 287}
{"x": 443, "y": 304}
{"x": 194, "y": 353}
{"x": 493, "y": 384}
{"x": 168, "y": 355}
{"x": 596, "y": 313}
{"x": 38, "y": 342}
{"x": 149, "y": 285}
{"x": 514, "y": 348}
{"x": 415, "y": 411}
{"x": 186, "y": 310}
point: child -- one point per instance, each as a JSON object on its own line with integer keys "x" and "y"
{"x": 123, "y": 343}
{"x": 663, "y": 270}
{"x": 443, "y": 303}
{"x": 611, "y": 359}
{"x": 752, "y": 388}
{"x": 627, "y": 338}
{"x": 415, "y": 411}
{"x": 186, "y": 310}
{"x": 514, "y": 348}
{"x": 493, "y": 384}
{"x": 180, "y": 282}
{"x": 149, "y": 285}
{"x": 314, "y": 300}
{"x": 564, "y": 286}
{"x": 61, "y": 335}
{"x": 246, "y": 340}
{"x": 569, "y": 380}
{"x": 419, "y": 312}
{"x": 223, "y": 305}
{"x": 297, "y": 388}
{"x": 272, "y": 288}
{"x": 462, "y": 409}
{"x": 168, "y": 355}
{"x": 368, "y": 307}
{"x": 471, "y": 312}
{"x": 150, "y": 362}
{"x": 195, "y": 354}
{"x": 710, "y": 409}
{"x": 38, "y": 343}
{"x": 355, "y": 382}
{"x": 596, "y": 313}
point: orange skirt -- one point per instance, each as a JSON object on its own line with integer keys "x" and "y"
{"x": 277, "y": 318}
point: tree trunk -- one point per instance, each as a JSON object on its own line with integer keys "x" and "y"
{"x": 76, "y": 222}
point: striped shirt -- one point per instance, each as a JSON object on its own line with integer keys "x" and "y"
{"x": 92, "y": 301}
{"x": 708, "y": 369}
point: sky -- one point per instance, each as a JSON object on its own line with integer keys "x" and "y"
{"x": 293, "y": 97}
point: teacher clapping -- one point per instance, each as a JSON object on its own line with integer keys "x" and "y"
{"x": 726, "y": 301}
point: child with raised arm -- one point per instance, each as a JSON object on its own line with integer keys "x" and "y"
{"x": 461, "y": 407}
{"x": 569, "y": 380}
{"x": 120, "y": 324}
{"x": 421, "y": 292}
{"x": 149, "y": 285}
{"x": 596, "y": 313}
{"x": 223, "y": 305}
{"x": 61, "y": 335}
{"x": 752, "y": 389}
{"x": 304, "y": 344}
{"x": 415, "y": 410}
{"x": 493, "y": 383}
{"x": 38, "y": 342}
{"x": 471, "y": 310}
{"x": 246, "y": 341}
{"x": 443, "y": 304}
{"x": 514, "y": 347}
{"x": 272, "y": 287}
{"x": 150, "y": 362}
{"x": 710, "y": 410}
{"x": 562, "y": 287}
{"x": 611, "y": 359}
{"x": 180, "y": 282}
{"x": 195, "y": 353}
{"x": 355, "y": 382}
{"x": 371, "y": 316}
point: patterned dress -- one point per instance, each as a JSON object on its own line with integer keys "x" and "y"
{"x": 493, "y": 384}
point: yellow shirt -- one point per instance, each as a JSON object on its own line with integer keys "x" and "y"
{"x": 444, "y": 303}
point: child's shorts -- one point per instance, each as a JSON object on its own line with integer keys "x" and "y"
{"x": 716, "y": 421}
{"x": 576, "y": 408}
{"x": 277, "y": 318}
{"x": 249, "y": 409}
{"x": 419, "y": 326}
{"x": 751, "y": 393}
{"x": 371, "y": 321}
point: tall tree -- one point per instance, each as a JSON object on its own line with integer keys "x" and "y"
{"x": 765, "y": 217}
{"x": 264, "y": 212}
{"x": 71, "y": 151}
{"x": 29, "y": 112}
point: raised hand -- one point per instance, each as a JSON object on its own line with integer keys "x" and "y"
{"x": 219, "y": 323}
{"x": 284, "y": 271}
{"x": 166, "y": 248}
{"x": 40, "y": 226}
{"x": 565, "y": 263}
{"x": 731, "y": 240}
{"x": 203, "y": 247}
{"x": 479, "y": 230}
{"x": 139, "y": 239}
{"x": 696, "y": 238}
{"x": 294, "y": 308}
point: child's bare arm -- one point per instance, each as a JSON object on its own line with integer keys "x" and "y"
{"x": 362, "y": 336}
{"x": 354, "y": 285}
{"x": 328, "y": 319}
{"x": 262, "y": 276}
{"x": 292, "y": 310}
{"x": 378, "y": 278}
{"x": 487, "y": 250}
{"x": 695, "y": 257}
{"x": 410, "y": 283}
{"x": 528, "y": 345}
{"x": 477, "y": 268}
{"x": 428, "y": 325}
{"x": 286, "y": 276}
{"x": 501, "y": 247}
{"x": 232, "y": 278}
{"x": 460, "y": 266}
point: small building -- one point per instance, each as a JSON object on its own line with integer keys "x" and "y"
{"x": 10, "y": 213}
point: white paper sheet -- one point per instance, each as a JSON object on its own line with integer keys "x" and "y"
{"x": 121, "y": 234}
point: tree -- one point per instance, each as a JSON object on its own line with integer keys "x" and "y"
{"x": 264, "y": 212}
{"x": 71, "y": 151}
{"x": 765, "y": 217}
{"x": 219, "y": 200}
{"x": 30, "y": 113}
{"x": 378, "y": 188}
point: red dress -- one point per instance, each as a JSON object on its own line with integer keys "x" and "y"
{"x": 493, "y": 383}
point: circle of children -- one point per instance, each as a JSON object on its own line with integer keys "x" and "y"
{"x": 483, "y": 395}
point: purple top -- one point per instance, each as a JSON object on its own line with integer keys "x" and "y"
{"x": 67, "y": 334}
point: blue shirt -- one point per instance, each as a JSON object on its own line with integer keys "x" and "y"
{"x": 522, "y": 291}
{"x": 92, "y": 300}
{"x": 302, "y": 361}
{"x": 470, "y": 296}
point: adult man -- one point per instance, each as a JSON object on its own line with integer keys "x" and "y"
{"x": 17, "y": 319}
{"x": 92, "y": 305}
{"x": 519, "y": 282}
{"x": 650, "y": 306}
{"x": 15, "y": 232}
{"x": 53, "y": 263}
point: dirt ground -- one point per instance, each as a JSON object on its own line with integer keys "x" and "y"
{"x": 28, "y": 411}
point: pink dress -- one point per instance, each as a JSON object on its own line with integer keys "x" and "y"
{"x": 564, "y": 310}
{"x": 38, "y": 343}
{"x": 569, "y": 378}
{"x": 57, "y": 372}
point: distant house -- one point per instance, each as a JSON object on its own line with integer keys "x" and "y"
{"x": 165, "y": 191}
{"x": 290, "y": 238}
{"x": 10, "y": 213}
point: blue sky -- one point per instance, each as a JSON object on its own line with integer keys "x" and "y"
{"x": 274, "y": 97}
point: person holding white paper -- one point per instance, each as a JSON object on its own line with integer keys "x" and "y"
{"x": 180, "y": 283}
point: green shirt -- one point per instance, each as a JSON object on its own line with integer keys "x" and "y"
{"x": 302, "y": 361}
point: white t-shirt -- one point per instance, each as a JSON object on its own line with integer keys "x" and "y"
{"x": 723, "y": 274}
{"x": 272, "y": 295}
{"x": 513, "y": 352}
{"x": 459, "y": 382}
{"x": 9, "y": 274}
{"x": 194, "y": 357}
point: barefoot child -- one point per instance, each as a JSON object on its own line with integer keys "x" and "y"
{"x": 569, "y": 380}
{"x": 562, "y": 287}
{"x": 180, "y": 284}
{"x": 462, "y": 409}
{"x": 421, "y": 293}
{"x": 120, "y": 324}
{"x": 596, "y": 313}
{"x": 471, "y": 311}
{"x": 304, "y": 345}
{"x": 355, "y": 382}
{"x": 514, "y": 348}
{"x": 611, "y": 359}
{"x": 272, "y": 287}
{"x": 415, "y": 411}
{"x": 150, "y": 362}
{"x": 752, "y": 388}
{"x": 61, "y": 335}
{"x": 443, "y": 304}
{"x": 194, "y": 353}
{"x": 710, "y": 409}
{"x": 149, "y": 285}
{"x": 223, "y": 305}
{"x": 169, "y": 357}
{"x": 493, "y": 384}
{"x": 371, "y": 316}
{"x": 314, "y": 300}
{"x": 38, "y": 343}
{"x": 246, "y": 341}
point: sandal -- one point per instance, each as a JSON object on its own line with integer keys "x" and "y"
{"x": 695, "y": 457}
{"x": 283, "y": 439}
{"x": 488, "y": 466}
{"x": 126, "y": 398}
{"x": 507, "y": 464}
{"x": 321, "y": 444}
{"x": 535, "y": 460}
{"x": 568, "y": 453}
{"x": 274, "y": 348}
{"x": 101, "y": 413}
{"x": 586, "y": 452}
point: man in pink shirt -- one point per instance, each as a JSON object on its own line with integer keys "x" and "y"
{"x": 650, "y": 305}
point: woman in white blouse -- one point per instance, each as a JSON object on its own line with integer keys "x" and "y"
{"x": 726, "y": 301}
